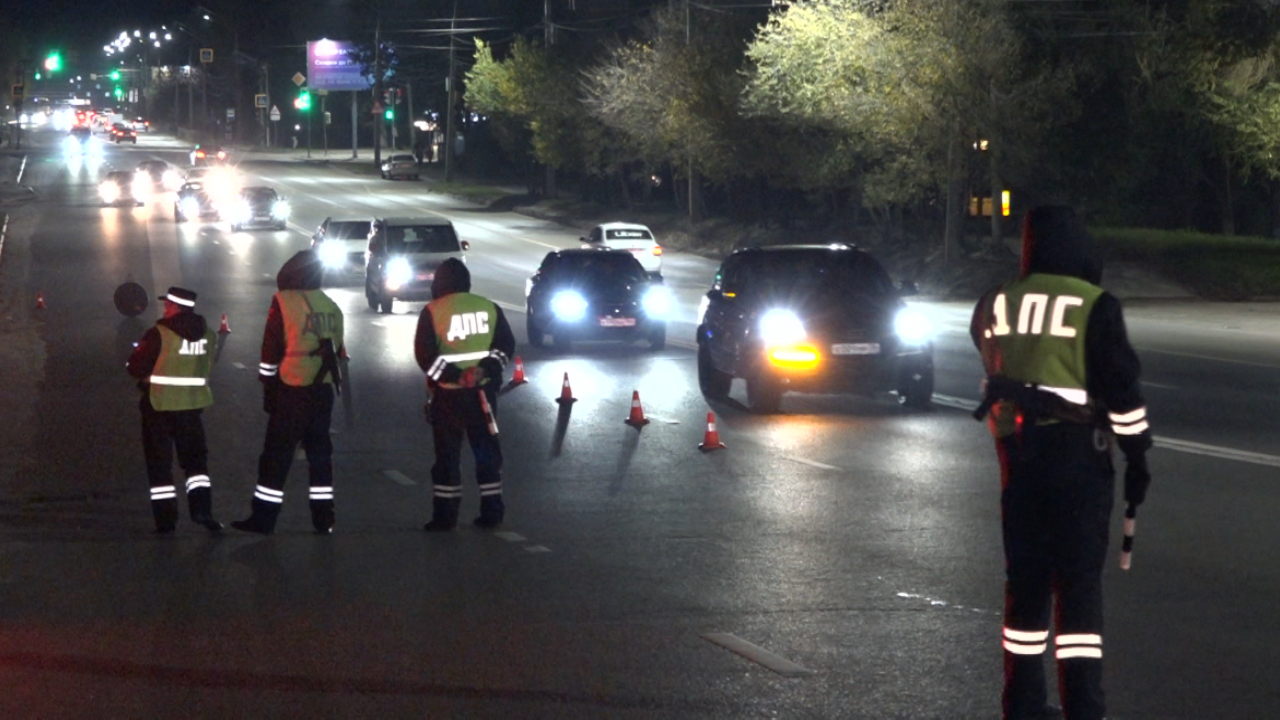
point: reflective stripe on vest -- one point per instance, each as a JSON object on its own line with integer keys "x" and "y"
{"x": 309, "y": 316}
{"x": 464, "y": 325}
{"x": 1034, "y": 332}
{"x": 179, "y": 380}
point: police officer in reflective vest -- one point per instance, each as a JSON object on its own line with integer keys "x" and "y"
{"x": 300, "y": 373}
{"x": 172, "y": 362}
{"x": 463, "y": 342}
{"x": 1062, "y": 384}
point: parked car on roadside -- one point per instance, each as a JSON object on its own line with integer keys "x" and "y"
{"x": 400, "y": 165}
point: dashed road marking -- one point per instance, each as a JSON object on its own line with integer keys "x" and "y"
{"x": 396, "y": 476}
{"x": 537, "y": 549}
{"x": 510, "y": 536}
{"x": 238, "y": 366}
{"x": 810, "y": 463}
{"x": 757, "y": 654}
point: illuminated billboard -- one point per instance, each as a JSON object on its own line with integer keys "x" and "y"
{"x": 335, "y": 65}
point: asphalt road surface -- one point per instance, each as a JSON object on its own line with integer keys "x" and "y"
{"x": 839, "y": 560}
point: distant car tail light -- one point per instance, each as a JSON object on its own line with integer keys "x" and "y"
{"x": 657, "y": 249}
{"x": 199, "y": 153}
{"x": 222, "y": 155}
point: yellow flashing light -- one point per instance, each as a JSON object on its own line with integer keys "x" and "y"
{"x": 795, "y": 357}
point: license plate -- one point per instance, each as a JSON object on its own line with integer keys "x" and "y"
{"x": 617, "y": 322}
{"x": 855, "y": 349}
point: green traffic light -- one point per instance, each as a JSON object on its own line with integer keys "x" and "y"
{"x": 390, "y": 114}
{"x": 37, "y": 74}
{"x": 304, "y": 101}
{"x": 115, "y": 74}
{"x": 53, "y": 63}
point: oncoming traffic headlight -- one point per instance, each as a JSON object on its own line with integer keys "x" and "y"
{"x": 912, "y": 327}
{"x": 657, "y": 302}
{"x": 190, "y": 207}
{"x": 781, "y": 327}
{"x": 331, "y": 255}
{"x": 399, "y": 273}
{"x": 280, "y": 209}
{"x": 569, "y": 306}
{"x": 109, "y": 191}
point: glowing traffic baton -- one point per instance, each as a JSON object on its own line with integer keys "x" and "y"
{"x": 1126, "y": 546}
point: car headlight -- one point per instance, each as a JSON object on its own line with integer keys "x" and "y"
{"x": 781, "y": 327}
{"x": 172, "y": 179}
{"x": 240, "y": 212}
{"x": 913, "y": 327}
{"x": 190, "y": 207}
{"x": 399, "y": 273}
{"x": 332, "y": 255}
{"x": 656, "y": 302}
{"x": 109, "y": 191}
{"x": 569, "y": 306}
{"x": 280, "y": 210}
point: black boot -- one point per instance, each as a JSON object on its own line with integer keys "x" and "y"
{"x": 200, "y": 503}
{"x": 322, "y": 516}
{"x": 492, "y": 511}
{"x": 444, "y": 514}
{"x": 165, "y": 512}
{"x": 263, "y": 519}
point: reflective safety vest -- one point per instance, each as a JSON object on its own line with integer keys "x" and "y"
{"x": 180, "y": 379}
{"x": 1033, "y": 332}
{"x": 464, "y": 325}
{"x": 309, "y": 317}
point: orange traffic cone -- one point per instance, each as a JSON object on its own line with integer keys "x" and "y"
{"x": 712, "y": 439}
{"x": 637, "y": 419}
{"x": 517, "y": 377}
{"x": 39, "y": 301}
{"x": 224, "y": 328}
{"x": 566, "y": 393}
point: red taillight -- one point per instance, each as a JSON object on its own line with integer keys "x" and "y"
{"x": 222, "y": 155}
{"x": 657, "y": 249}
{"x": 199, "y": 153}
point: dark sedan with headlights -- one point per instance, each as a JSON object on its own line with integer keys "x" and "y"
{"x": 595, "y": 294}
{"x": 811, "y": 318}
{"x": 258, "y": 207}
{"x": 121, "y": 188}
{"x": 194, "y": 203}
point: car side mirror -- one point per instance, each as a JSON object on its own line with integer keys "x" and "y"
{"x": 906, "y": 288}
{"x": 465, "y": 246}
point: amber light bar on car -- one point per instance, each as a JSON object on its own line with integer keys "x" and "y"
{"x": 795, "y": 357}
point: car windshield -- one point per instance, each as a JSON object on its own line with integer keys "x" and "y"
{"x": 259, "y": 195}
{"x": 603, "y": 269}
{"x": 848, "y": 273}
{"x": 415, "y": 239}
{"x": 347, "y": 230}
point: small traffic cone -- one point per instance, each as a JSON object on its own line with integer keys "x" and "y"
{"x": 517, "y": 377}
{"x": 637, "y": 419}
{"x": 224, "y": 328}
{"x": 712, "y": 439}
{"x": 39, "y": 301}
{"x": 566, "y": 393}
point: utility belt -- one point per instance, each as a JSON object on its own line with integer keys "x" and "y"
{"x": 1035, "y": 403}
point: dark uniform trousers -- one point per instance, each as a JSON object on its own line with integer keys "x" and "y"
{"x": 1058, "y": 490}
{"x": 456, "y": 413}
{"x": 162, "y": 432}
{"x": 300, "y": 415}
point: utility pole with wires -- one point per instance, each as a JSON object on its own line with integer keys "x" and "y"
{"x": 377, "y": 92}
{"x": 450, "y": 90}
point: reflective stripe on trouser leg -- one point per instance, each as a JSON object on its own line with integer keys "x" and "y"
{"x": 164, "y": 507}
{"x": 200, "y": 498}
{"x": 322, "y": 515}
{"x": 268, "y": 495}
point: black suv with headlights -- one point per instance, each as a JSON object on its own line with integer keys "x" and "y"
{"x": 811, "y": 318}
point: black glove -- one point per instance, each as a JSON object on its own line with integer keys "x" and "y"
{"x": 270, "y": 394}
{"x": 450, "y": 373}
{"x": 1136, "y": 480}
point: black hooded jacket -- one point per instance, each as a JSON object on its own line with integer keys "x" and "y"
{"x": 188, "y": 326}
{"x": 453, "y": 277}
{"x": 1055, "y": 242}
{"x": 303, "y": 271}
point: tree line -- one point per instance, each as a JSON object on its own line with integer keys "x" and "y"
{"x": 1156, "y": 114}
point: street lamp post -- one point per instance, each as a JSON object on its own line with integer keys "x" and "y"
{"x": 235, "y": 60}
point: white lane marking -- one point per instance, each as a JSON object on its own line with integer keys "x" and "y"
{"x": 510, "y": 536}
{"x": 757, "y": 654}
{"x": 810, "y": 463}
{"x": 935, "y": 602}
{"x": 510, "y": 306}
{"x": 396, "y": 476}
{"x": 537, "y": 549}
{"x": 21, "y": 169}
{"x": 1148, "y": 383}
{"x": 1196, "y": 448}
{"x": 1195, "y": 356}
{"x": 1186, "y": 446}
{"x": 238, "y": 366}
